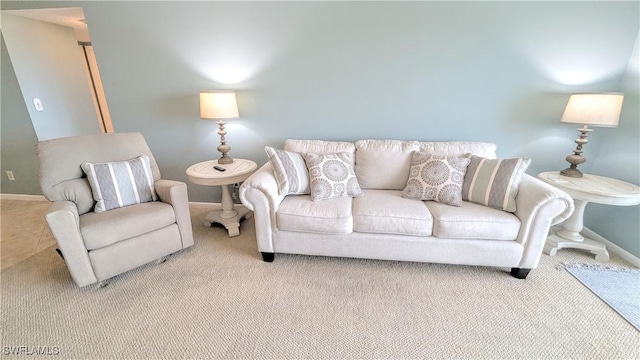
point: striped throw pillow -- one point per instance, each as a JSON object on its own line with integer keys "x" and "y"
{"x": 494, "y": 182}
{"x": 290, "y": 171}
{"x": 122, "y": 183}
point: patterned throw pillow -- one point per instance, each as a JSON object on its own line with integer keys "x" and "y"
{"x": 290, "y": 171}
{"x": 332, "y": 176}
{"x": 435, "y": 177}
{"x": 122, "y": 183}
{"x": 494, "y": 182}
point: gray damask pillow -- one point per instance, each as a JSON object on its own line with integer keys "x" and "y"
{"x": 437, "y": 178}
{"x": 120, "y": 183}
{"x": 290, "y": 171}
{"x": 332, "y": 176}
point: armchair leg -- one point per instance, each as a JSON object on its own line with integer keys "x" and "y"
{"x": 60, "y": 253}
{"x": 161, "y": 260}
{"x": 268, "y": 257}
{"x": 519, "y": 273}
{"x": 102, "y": 284}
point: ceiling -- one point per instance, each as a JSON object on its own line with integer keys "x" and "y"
{"x": 70, "y": 17}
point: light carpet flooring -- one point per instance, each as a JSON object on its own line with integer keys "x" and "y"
{"x": 217, "y": 299}
{"x": 24, "y": 230}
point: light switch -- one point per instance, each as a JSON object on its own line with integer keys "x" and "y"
{"x": 38, "y": 104}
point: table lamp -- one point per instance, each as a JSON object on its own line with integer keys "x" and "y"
{"x": 220, "y": 105}
{"x": 595, "y": 109}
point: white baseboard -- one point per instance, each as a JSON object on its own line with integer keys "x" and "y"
{"x": 22, "y": 197}
{"x": 635, "y": 261}
{"x": 205, "y": 204}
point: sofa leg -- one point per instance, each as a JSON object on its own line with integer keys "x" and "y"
{"x": 60, "y": 253}
{"x": 519, "y": 273}
{"x": 268, "y": 257}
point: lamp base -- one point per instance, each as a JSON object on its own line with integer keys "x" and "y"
{"x": 224, "y": 148}
{"x": 571, "y": 172}
{"x": 224, "y": 159}
{"x": 576, "y": 158}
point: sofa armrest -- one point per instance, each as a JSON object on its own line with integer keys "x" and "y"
{"x": 64, "y": 222}
{"x": 260, "y": 194}
{"x": 264, "y": 181}
{"x": 539, "y": 206}
{"x": 175, "y": 194}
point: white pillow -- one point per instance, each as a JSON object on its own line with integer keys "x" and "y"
{"x": 384, "y": 164}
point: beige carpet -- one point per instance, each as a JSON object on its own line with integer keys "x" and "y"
{"x": 219, "y": 300}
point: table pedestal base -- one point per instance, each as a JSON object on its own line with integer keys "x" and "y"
{"x": 229, "y": 219}
{"x": 555, "y": 243}
{"x": 569, "y": 237}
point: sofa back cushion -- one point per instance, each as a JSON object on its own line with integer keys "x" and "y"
{"x": 459, "y": 148}
{"x": 318, "y": 146}
{"x": 384, "y": 164}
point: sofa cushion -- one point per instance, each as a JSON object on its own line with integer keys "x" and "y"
{"x": 300, "y": 213}
{"x": 332, "y": 176}
{"x": 435, "y": 177}
{"x": 459, "y": 148}
{"x": 387, "y": 212}
{"x": 108, "y": 227}
{"x": 290, "y": 171}
{"x": 384, "y": 164}
{"x": 318, "y": 146}
{"x": 494, "y": 182}
{"x": 472, "y": 221}
{"x": 120, "y": 183}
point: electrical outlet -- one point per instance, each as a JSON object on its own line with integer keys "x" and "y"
{"x": 37, "y": 103}
{"x": 235, "y": 193}
{"x": 10, "y": 175}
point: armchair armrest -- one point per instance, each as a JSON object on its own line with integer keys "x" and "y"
{"x": 175, "y": 194}
{"x": 64, "y": 222}
{"x": 260, "y": 194}
{"x": 539, "y": 206}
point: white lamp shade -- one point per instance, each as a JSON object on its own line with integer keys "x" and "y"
{"x": 596, "y": 109}
{"x": 218, "y": 104}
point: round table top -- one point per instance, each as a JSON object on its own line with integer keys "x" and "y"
{"x": 203, "y": 173}
{"x": 594, "y": 188}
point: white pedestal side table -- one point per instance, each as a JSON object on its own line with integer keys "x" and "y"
{"x": 204, "y": 174}
{"x": 589, "y": 188}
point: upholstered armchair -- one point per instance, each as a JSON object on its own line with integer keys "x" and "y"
{"x": 124, "y": 229}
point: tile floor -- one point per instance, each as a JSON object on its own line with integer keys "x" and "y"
{"x": 23, "y": 230}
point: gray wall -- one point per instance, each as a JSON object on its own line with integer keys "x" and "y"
{"x": 488, "y": 71}
{"x": 48, "y": 65}
{"x": 618, "y": 157}
{"x": 18, "y": 137}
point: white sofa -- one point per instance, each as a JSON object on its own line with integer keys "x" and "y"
{"x": 382, "y": 224}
